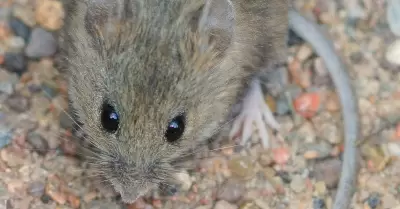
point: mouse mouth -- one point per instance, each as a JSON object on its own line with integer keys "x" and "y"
{"x": 131, "y": 192}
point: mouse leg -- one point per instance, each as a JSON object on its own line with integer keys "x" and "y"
{"x": 254, "y": 111}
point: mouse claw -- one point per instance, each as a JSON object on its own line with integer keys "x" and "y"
{"x": 254, "y": 112}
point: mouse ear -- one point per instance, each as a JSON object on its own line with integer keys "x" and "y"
{"x": 106, "y": 15}
{"x": 216, "y": 22}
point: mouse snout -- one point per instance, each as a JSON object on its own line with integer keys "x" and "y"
{"x": 134, "y": 179}
{"x": 132, "y": 182}
{"x": 131, "y": 191}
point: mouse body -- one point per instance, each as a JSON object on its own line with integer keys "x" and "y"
{"x": 150, "y": 80}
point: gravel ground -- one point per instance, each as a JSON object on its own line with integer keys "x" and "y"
{"x": 40, "y": 167}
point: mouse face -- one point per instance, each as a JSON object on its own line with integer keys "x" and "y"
{"x": 154, "y": 90}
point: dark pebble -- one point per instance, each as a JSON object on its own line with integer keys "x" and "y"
{"x": 45, "y": 199}
{"x": 294, "y": 39}
{"x": 328, "y": 171}
{"x": 15, "y": 62}
{"x": 374, "y": 200}
{"x": 20, "y": 29}
{"x": 318, "y": 203}
{"x": 39, "y": 144}
{"x": 169, "y": 190}
{"x": 36, "y": 189}
{"x": 356, "y": 57}
{"x": 34, "y": 88}
{"x": 18, "y": 103}
{"x": 284, "y": 176}
{"x": 282, "y": 105}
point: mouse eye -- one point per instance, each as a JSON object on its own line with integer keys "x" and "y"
{"x": 175, "y": 128}
{"x": 109, "y": 118}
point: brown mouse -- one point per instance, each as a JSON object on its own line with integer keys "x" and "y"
{"x": 152, "y": 79}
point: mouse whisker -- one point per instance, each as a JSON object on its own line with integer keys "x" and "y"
{"x": 201, "y": 148}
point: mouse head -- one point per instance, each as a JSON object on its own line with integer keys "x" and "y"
{"x": 149, "y": 79}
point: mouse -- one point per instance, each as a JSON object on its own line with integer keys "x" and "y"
{"x": 152, "y": 79}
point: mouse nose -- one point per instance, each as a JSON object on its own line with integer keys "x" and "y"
{"x": 129, "y": 193}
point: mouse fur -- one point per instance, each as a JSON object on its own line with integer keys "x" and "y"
{"x": 153, "y": 60}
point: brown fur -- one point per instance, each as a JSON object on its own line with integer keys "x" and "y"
{"x": 154, "y": 62}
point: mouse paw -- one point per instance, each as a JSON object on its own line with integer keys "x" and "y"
{"x": 254, "y": 111}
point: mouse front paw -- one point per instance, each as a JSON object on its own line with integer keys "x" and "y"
{"x": 255, "y": 112}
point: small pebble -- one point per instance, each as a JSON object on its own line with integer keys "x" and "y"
{"x": 5, "y": 31}
{"x": 48, "y": 90}
{"x": 69, "y": 147}
{"x": 50, "y": 14}
{"x": 389, "y": 201}
{"x": 15, "y": 44}
{"x": 306, "y": 132}
{"x": 222, "y": 204}
{"x": 18, "y": 103}
{"x": 28, "y": 124}
{"x": 25, "y": 14}
{"x": 20, "y": 29}
{"x": 36, "y": 189}
{"x": 328, "y": 171}
{"x": 393, "y": 52}
{"x": 231, "y": 191}
{"x": 6, "y": 87}
{"x": 5, "y": 136}
{"x": 320, "y": 188}
{"x": 318, "y": 150}
{"x": 42, "y": 44}
{"x": 15, "y": 62}
{"x": 304, "y": 52}
{"x": 282, "y": 106}
{"x": 318, "y": 203}
{"x": 11, "y": 158}
{"x": 266, "y": 159}
{"x": 394, "y": 149}
{"x": 285, "y": 176}
{"x": 39, "y": 144}
{"x": 45, "y": 199}
{"x": 5, "y": 13}
{"x": 357, "y": 57}
{"x": 374, "y": 200}
{"x": 298, "y": 184}
{"x": 88, "y": 197}
{"x": 185, "y": 180}
{"x": 242, "y": 167}
{"x": 329, "y": 132}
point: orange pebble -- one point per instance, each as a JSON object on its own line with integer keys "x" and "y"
{"x": 307, "y": 104}
{"x": 281, "y": 155}
{"x": 397, "y": 132}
